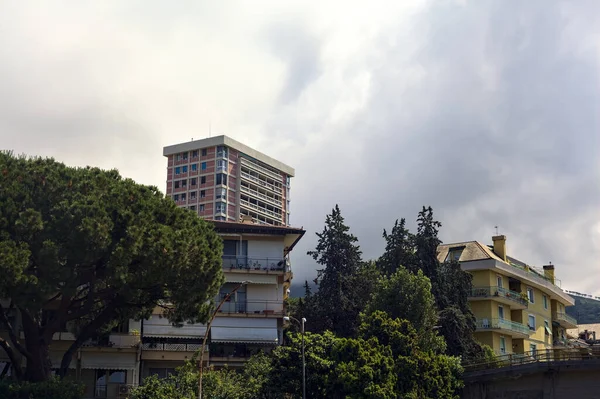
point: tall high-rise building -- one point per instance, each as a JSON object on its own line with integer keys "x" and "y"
{"x": 223, "y": 179}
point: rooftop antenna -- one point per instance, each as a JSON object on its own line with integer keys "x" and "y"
{"x": 496, "y": 227}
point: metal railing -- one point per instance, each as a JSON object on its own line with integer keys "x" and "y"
{"x": 170, "y": 347}
{"x": 260, "y": 169}
{"x": 494, "y": 291}
{"x": 533, "y": 272}
{"x": 263, "y": 183}
{"x": 538, "y": 356}
{"x": 565, "y": 317}
{"x": 260, "y": 195}
{"x": 260, "y": 209}
{"x": 265, "y": 264}
{"x": 502, "y": 324}
{"x": 258, "y": 307}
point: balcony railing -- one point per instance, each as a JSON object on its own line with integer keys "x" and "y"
{"x": 502, "y": 324}
{"x": 260, "y": 182}
{"x": 494, "y": 291}
{"x": 538, "y": 275}
{"x": 115, "y": 341}
{"x": 257, "y": 307}
{"x": 170, "y": 347}
{"x": 260, "y": 169}
{"x": 560, "y": 316}
{"x": 260, "y": 209}
{"x": 265, "y": 264}
{"x": 256, "y": 193}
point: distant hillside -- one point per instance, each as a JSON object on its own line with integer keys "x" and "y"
{"x": 586, "y": 311}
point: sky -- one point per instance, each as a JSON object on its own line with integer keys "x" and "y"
{"x": 486, "y": 110}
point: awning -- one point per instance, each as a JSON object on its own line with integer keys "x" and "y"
{"x": 247, "y": 330}
{"x": 161, "y": 327}
{"x": 108, "y": 361}
{"x": 548, "y": 331}
{"x": 252, "y": 279}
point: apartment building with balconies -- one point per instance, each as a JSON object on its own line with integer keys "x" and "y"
{"x": 222, "y": 179}
{"x": 519, "y": 308}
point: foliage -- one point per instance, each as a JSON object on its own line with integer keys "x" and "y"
{"x": 181, "y": 385}
{"x": 408, "y": 296}
{"x": 101, "y": 249}
{"x": 399, "y": 249}
{"x": 336, "y": 305}
{"x": 586, "y": 311}
{"x": 50, "y": 389}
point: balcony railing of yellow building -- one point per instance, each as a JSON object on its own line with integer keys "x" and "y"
{"x": 253, "y": 307}
{"x": 265, "y": 264}
{"x": 536, "y": 274}
{"x": 170, "y": 347}
{"x": 563, "y": 317}
{"x": 502, "y": 324}
{"x": 494, "y": 291}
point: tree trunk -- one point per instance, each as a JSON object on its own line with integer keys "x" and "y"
{"x": 39, "y": 366}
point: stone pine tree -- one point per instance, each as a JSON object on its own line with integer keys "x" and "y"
{"x": 336, "y": 305}
{"x": 399, "y": 249}
{"x": 96, "y": 249}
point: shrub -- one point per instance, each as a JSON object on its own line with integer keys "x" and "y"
{"x": 51, "y": 389}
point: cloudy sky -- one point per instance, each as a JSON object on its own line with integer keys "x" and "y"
{"x": 486, "y": 110}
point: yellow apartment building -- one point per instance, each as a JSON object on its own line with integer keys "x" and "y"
{"x": 518, "y": 307}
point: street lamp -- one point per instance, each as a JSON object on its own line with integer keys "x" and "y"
{"x": 288, "y": 318}
{"x": 226, "y": 298}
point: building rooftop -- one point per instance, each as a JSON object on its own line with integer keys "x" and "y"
{"x": 291, "y": 234}
{"x": 229, "y": 142}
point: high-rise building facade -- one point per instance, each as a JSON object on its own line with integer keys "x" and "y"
{"x": 222, "y": 179}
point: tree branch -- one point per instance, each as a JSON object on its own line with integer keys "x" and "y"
{"x": 11, "y": 333}
{"x": 13, "y": 359}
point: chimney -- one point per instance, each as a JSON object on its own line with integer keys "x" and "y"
{"x": 549, "y": 272}
{"x": 500, "y": 246}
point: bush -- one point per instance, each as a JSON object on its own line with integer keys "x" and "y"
{"x": 51, "y": 389}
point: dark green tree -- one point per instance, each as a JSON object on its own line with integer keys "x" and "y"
{"x": 399, "y": 249}
{"x": 97, "y": 249}
{"x": 337, "y": 304}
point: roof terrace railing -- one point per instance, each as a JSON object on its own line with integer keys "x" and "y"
{"x": 536, "y": 274}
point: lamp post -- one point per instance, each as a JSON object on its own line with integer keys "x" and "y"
{"x": 288, "y": 318}
{"x": 226, "y": 298}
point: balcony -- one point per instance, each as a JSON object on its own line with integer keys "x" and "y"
{"x": 115, "y": 341}
{"x": 564, "y": 320}
{"x": 260, "y": 182}
{"x": 508, "y": 327}
{"x": 260, "y": 169}
{"x": 263, "y": 308}
{"x": 499, "y": 294}
{"x": 257, "y": 208}
{"x": 171, "y": 347}
{"x": 244, "y": 263}
{"x": 272, "y": 200}
{"x": 537, "y": 275}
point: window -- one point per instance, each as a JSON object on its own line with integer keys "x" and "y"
{"x": 185, "y": 156}
{"x": 201, "y": 207}
{"x": 177, "y": 184}
{"x": 547, "y": 328}
{"x": 161, "y": 372}
{"x": 194, "y": 167}
{"x": 184, "y": 168}
{"x": 184, "y": 183}
{"x": 501, "y": 312}
{"x": 502, "y": 345}
{"x": 454, "y": 254}
{"x": 195, "y": 154}
{"x": 193, "y": 195}
{"x": 221, "y": 179}
{"x": 221, "y": 152}
{"x": 122, "y": 328}
{"x": 499, "y": 281}
{"x": 545, "y": 301}
{"x": 530, "y": 295}
{"x": 533, "y": 348}
{"x": 202, "y": 193}
{"x": 183, "y": 197}
{"x": 203, "y": 180}
{"x": 104, "y": 377}
{"x": 176, "y": 197}
{"x": 193, "y": 208}
{"x": 221, "y": 193}
{"x": 203, "y": 166}
{"x": 193, "y": 181}
{"x": 221, "y": 165}
{"x": 204, "y": 152}
{"x": 219, "y": 207}
{"x": 177, "y": 170}
{"x": 178, "y": 157}
{"x": 531, "y": 322}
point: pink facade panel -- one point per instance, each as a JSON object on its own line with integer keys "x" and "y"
{"x": 170, "y": 160}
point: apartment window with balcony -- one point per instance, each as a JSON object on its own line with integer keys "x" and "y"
{"x": 193, "y": 195}
{"x": 202, "y": 193}
{"x": 177, "y": 184}
{"x": 177, "y": 170}
{"x": 221, "y": 179}
{"x": 221, "y": 165}
{"x": 183, "y": 197}
{"x": 193, "y": 181}
{"x": 502, "y": 345}
{"x": 221, "y": 193}
{"x": 193, "y": 208}
{"x": 499, "y": 281}
{"x": 545, "y": 301}
{"x": 221, "y": 151}
{"x": 185, "y": 156}
{"x": 184, "y": 183}
{"x": 176, "y": 197}
{"x": 178, "y": 157}
{"x": 501, "y": 312}
{"x": 201, "y": 207}
{"x": 203, "y": 180}
{"x": 530, "y": 295}
{"x": 219, "y": 207}
{"x": 195, "y": 154}
{"x": 204, "y": 152}
{"x": 531, "y": 322}
{"x": 184, "y": 169}
{"x": 203, "y": 166}
{"x": 194, "y": 167}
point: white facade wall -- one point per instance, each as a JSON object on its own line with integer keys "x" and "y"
{"x": 266, "y": 249}
{"x": 263, "y": 297}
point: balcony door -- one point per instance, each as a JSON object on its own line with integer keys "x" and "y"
{"x": 501, "y": 313}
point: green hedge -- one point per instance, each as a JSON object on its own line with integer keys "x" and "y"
{"x": 51, "y": 389}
